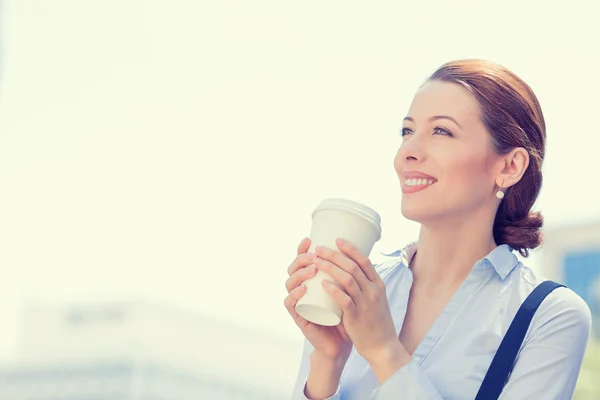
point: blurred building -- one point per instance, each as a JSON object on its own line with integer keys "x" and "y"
{"x": 142, "y": 352}
{"x": 571, "y": 255}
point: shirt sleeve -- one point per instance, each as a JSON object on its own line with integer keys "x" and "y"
{"x": 550, "y": 358}
{"x": 408, "y": 383}
{"x": 298, "y": 393}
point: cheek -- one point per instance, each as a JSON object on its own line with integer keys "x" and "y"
{"x": 468, "y": 173}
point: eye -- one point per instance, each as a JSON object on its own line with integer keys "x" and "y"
{"x": 441, "y": 131}
{"x": 405, "y": 131}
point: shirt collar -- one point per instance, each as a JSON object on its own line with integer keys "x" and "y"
{"x": 502, "y": 258}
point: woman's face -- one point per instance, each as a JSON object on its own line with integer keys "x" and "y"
{"x": 446, "y": 164}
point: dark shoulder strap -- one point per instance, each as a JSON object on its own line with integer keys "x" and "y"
{"x": 504, "y": 360}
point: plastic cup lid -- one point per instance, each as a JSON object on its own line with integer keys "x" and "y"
{"x": 354, "y": 207}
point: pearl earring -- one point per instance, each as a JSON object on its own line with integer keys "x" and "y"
{"x": 500, "y": 194}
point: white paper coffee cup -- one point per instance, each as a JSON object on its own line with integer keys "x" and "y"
{"x": 332, "y": 219}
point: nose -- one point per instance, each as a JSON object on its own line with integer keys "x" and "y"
{"x": 412, "y": 148}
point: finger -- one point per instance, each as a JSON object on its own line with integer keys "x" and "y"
{"x": 299, "y": 277}
{"x": 303, "y": 260}
{"x": 340, "y": 298}
{"x": 303, "y": 246}
{"x": 290, "y": 303}
{"x": 346, "y": 280}
{"x": 292, "y": 298}
{"x": 343, "y": 262}
{"x": 359, "y": 258}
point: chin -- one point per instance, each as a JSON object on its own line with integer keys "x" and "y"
{"x": 414, "y": 212}
{"x": 420, "y": 212}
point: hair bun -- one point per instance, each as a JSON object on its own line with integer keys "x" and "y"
{"x": 521, "y": 234}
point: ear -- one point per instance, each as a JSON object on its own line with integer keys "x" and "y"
{"x": 514, "y": 165}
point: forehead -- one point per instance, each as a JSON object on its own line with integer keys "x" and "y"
{"x": 445, "y": 98}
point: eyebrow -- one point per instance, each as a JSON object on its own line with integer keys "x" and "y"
{"x": 434, "y": 118}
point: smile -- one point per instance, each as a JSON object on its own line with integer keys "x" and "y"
{"x": 418, "y": 182}
{"x": 414, "y": 185}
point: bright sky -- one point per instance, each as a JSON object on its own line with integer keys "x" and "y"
{"x": 174, "y": 151}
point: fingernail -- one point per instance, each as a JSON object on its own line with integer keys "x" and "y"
{"x": 311, "y": 256}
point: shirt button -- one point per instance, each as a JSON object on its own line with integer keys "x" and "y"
{"x": 417, "y": 359}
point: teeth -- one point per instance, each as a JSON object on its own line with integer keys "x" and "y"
{"x": 418, "y": 182}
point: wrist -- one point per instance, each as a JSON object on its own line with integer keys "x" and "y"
{"x": 324, "y": 376}
{"x": 388, "y": 360}
{"x": 328, "y": 362}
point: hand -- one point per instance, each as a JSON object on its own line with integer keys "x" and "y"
{"x": 362, "y": 297}
{"x": 330, "y": 342}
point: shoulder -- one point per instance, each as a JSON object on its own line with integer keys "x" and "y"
{"x": 562, "y": 310}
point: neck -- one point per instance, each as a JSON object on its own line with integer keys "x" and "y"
{"x": 447, "y": 252}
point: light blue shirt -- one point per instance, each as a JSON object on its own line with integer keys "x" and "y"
{"x": 454, "y": 356}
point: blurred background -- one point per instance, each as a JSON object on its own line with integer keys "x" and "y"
{"x": 159, "y": 162}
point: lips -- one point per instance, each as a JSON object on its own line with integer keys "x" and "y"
{"x": 415, "y": 181}
{"x": 417, "y": 175}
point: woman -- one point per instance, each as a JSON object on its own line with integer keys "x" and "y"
{"x": 427, "y": 323}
